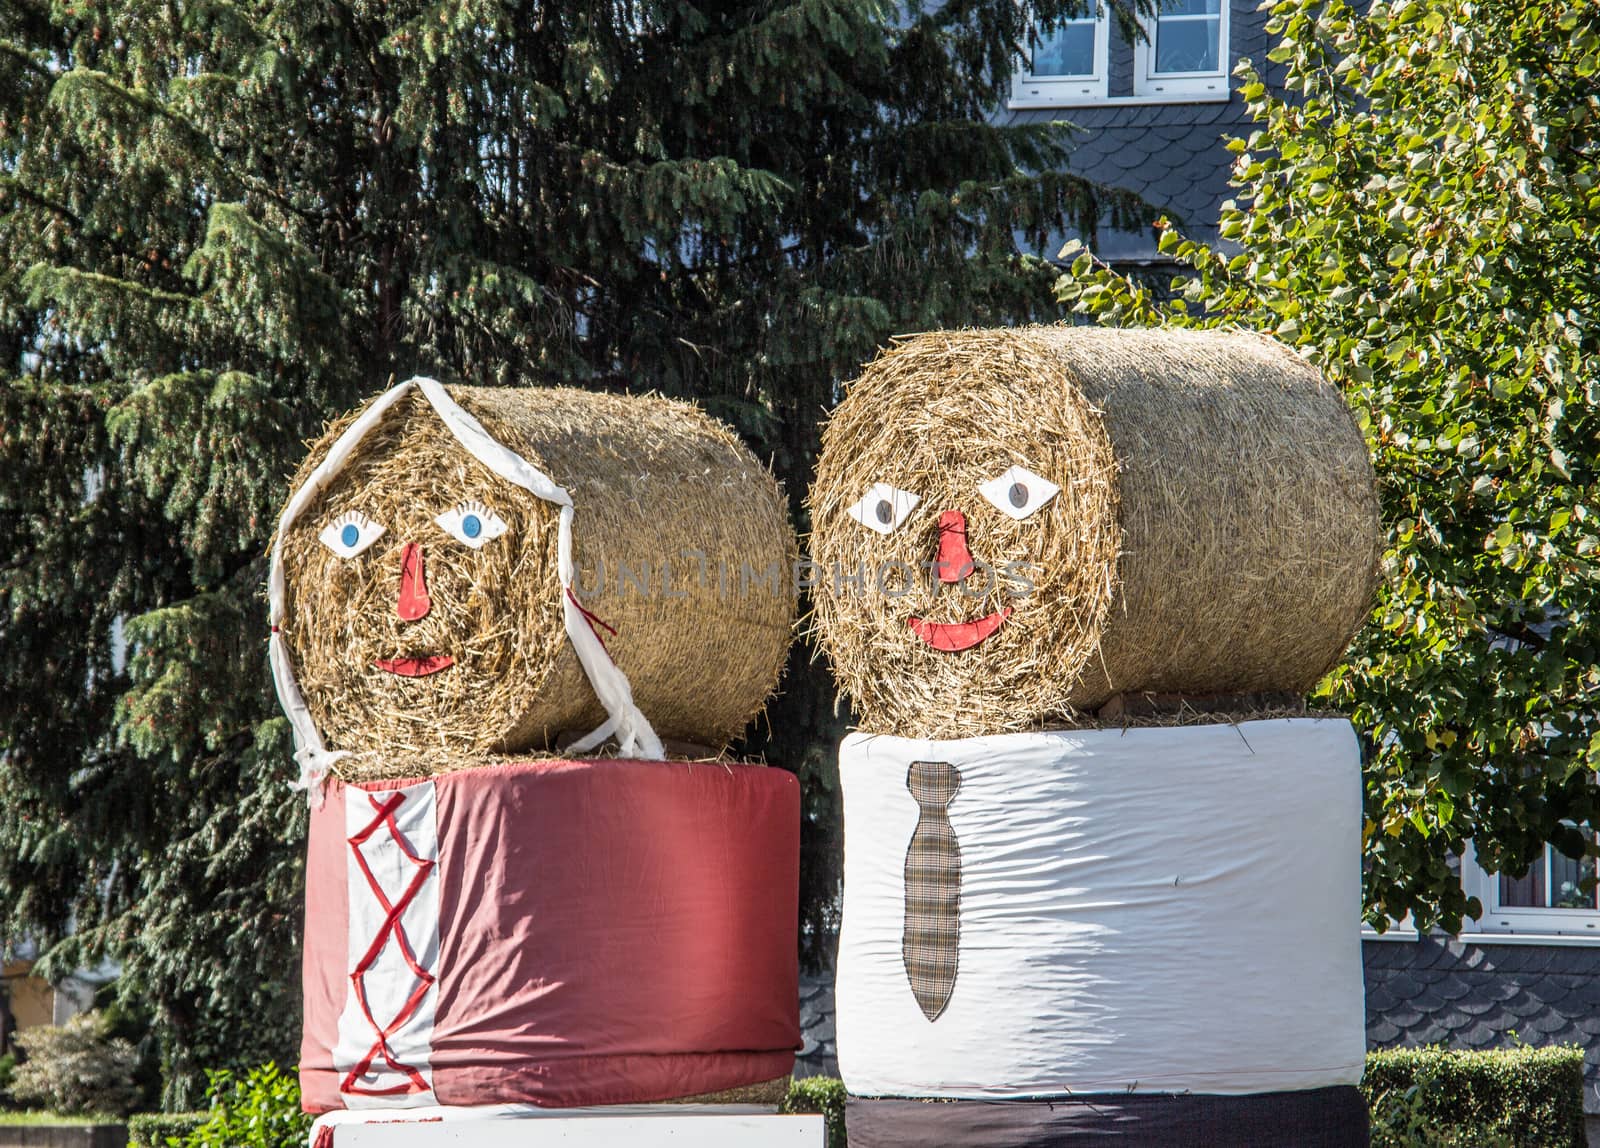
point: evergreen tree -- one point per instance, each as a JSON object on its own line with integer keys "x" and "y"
{"x": 224, "y": 221}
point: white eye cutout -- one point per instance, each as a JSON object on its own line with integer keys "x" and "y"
{"x": 883, "y": 508}
{"x": 1018, "y": 492}
{"x": 472, "y": 524}
{"x": 350, "y": 534}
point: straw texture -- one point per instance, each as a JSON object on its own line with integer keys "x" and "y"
{"x": 1216, "y": 531}
{"x": 670, "y": 508}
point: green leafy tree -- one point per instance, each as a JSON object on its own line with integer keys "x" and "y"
{"x": 1419, "y": 214}
{"x": 222, "y": 222}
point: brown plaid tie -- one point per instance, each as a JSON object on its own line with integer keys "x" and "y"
{"x": 930, "y": 945}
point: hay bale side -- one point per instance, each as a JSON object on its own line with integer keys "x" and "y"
{"x": 656, "y": 484}
{"x": 1216, "y": 531}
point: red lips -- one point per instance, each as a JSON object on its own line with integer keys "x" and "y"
{"x": 416, "y": 667}
{"x": 412, "y": 605}
{"x": 953, "y": 637}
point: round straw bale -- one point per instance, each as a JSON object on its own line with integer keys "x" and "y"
{"x": 1215, "y": 530}
{"x": 670, "y": 508}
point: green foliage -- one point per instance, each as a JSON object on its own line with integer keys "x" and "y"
{"x": 255, "y": 1109}
{"x": 821, "y": 1094}
{"x": 223, "y": 223}
{"x": 75, "y": 1069}
{"x": 1405, "y": 1118}
{"x": 163, "y": 1129}
{"x": 8, "y": 1071}
{"x": 1438, "y": 1098}
{"x": 1419, "y": 214}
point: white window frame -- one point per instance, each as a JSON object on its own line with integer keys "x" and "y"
{"x": 1183, "y": 87}
{"x": 1030, "y": 91}
{"x": 1513, "y": 920}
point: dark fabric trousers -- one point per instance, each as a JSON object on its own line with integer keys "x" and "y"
{"x": 1315, "y": 1118}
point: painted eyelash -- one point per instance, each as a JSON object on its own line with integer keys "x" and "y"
{"x": 363, "y": 531}
{"x": 472, "y": 523}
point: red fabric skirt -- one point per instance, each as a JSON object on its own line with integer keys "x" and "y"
{"x": 558, "y": 932}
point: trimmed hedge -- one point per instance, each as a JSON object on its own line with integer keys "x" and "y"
{"x": 1439, "y": 1098}
{"x": 822, "y": 1094}
{"x": 155, "y": 1129}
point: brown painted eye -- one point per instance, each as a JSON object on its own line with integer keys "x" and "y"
{"x": 885, "y": 511}
{"x": 1018, "y": 493}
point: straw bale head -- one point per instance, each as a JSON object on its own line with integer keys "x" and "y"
{"x": 424, "y": 613}
{"x": 1013, "y": 527}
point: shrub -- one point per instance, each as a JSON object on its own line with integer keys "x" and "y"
{"x": 821, "y": 1094}
{"x": 75, "y": 1069}
{"x": 163, "y": 1129}
{"x": 260, "y": 1109}
{"x": 8, "y": 1069}
{"x": 1402, "y": 1118}
{"x": 1445, "y": 1098}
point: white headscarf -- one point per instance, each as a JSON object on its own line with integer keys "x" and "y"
{"x": 635, "y": 737}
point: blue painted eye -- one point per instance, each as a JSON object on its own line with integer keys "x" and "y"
{"x": 350, "y": 534}
{"x": 472, "y": 524}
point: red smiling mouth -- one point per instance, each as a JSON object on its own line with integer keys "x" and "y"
{"x": 416, "y": 667}
{"x": 953, "y": 637}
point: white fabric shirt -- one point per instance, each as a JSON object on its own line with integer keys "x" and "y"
{"x": 1144, "y": 910}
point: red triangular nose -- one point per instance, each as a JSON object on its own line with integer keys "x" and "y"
{"x": 955, "y": 560}
{"x": 414, "y": 602}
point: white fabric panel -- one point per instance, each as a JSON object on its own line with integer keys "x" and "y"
{"x": 1151, "y": 910}
{"x": 635, "y": 737}
{"x": 390, "y": 981}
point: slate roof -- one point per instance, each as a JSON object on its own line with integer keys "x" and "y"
{"x": 1478, "y": 994}
{"x": 1170, "y": 155}
{"x": 818, "y": 1055}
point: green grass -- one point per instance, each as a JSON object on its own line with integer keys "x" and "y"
{"x": 14, "y": 1119}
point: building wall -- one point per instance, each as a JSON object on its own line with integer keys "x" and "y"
{"x": 32, "y": 1000}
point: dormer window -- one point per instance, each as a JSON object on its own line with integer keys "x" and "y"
{"x": 1187, "y": 53}
{"x": 1067, "y": 64}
